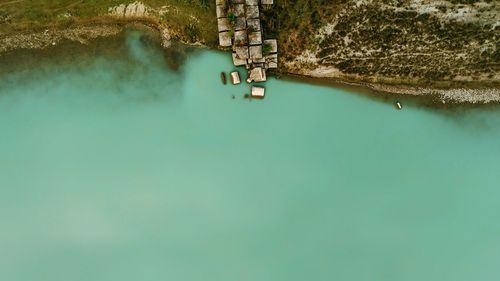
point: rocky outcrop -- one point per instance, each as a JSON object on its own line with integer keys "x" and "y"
{"x": 140, "y": 10}
{"x": 136, "y": 9}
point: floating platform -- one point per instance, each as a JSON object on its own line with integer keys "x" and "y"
{"x": 235, "y": 78}
{"x": 258, "y": 92}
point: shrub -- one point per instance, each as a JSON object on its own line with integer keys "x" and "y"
{"x": 231, "y": 17}
{"x": 266, "y": 49}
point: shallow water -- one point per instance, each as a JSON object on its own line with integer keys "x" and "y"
{"x": 124, "y": 169}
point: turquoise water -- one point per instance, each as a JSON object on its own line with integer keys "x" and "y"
{"x": 124, "y": 169}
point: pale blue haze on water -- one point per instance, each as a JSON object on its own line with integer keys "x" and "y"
{"x": 124, "y": 169}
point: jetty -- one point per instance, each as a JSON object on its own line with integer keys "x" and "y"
{"x": 240, "y": 28}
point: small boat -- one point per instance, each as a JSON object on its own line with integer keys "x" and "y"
{"x": 223, "y": 78}
{"x": 398, "y": 105}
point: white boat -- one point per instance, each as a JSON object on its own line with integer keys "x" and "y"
{"x": 398, "y": 105}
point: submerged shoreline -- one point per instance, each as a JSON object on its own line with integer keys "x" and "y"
{"x": 84, "y": 32}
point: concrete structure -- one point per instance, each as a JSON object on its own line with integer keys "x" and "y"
{"x": 221, "y": 11}
{"x": 225, "y": 39}
{"x": 238, "y": 10}
{"x": 237, "y": 61}
{"x": 252, "y": 12}
{"x": 267, "y": 2}
{"x": 257, "y": 74}
{"x": 235, "y": 78}
{"x": 274, "y": 45}
{"x": 242, "y": 52}
{"x": 240, "y": 24}
{"x": 255, "y": 52}
{"x": 223, "y": 24}
{"x": 258, "y": 92}
{"x": 257, "y": 62}
{"x": 271, "y": 57}
{"x": 240, "y": 38}
{"x": 255, "y": 38}
{"x": 272, "y": 61}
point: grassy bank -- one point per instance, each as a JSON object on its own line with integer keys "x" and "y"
{"x": 194, "y": 19}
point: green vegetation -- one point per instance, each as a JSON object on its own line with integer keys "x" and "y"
{"x": 389, "y": 38}
{"x": 372, "y": 40}
{"x": 294, "y": 23}
{"x": 30, "y": 13}
{"x": 194, "y": 16}
{"x": 266, "y": 49}
{"x": 231, "y": 17}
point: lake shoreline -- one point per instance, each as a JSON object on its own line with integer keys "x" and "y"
{"x": 85, "y": 31}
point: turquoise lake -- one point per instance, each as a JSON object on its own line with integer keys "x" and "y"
{"x": 124, "y": 168}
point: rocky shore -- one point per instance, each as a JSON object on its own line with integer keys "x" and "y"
{"x": 442, "y": 95}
